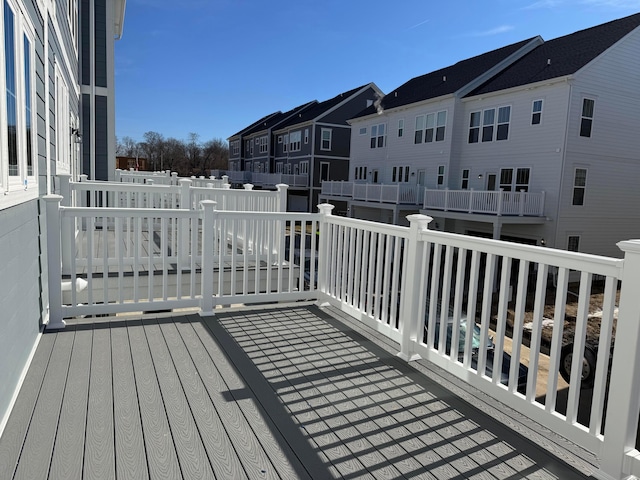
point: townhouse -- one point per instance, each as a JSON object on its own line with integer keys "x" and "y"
{"x": 49, "y": 124}
{"x": 535, "y": 142}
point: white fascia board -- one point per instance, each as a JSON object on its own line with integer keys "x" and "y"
{"x": 402, "y": 107}
{"x": 296, "y": 126}
{"x": 119, "y": 8}
{"x": 519, "y": 88}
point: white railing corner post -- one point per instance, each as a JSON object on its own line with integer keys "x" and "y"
{"x": 410, "y": 292}
{"x": 470, "y": 201}
{"x": 446, "y": 199}
{"x": 500, "y": 201}
{"x": 207, "y": 210}
{"x": 226, "y": 186}
{"x": 325, "y": 209}
{"x": 225, "y": 179}
{"x": 117, "y": 176}
{"x": 174, "y": 178}
{"x": 522, "y": 198}
{"x": 248, "y": 186}
{"x": 54, "y": 262}
{"x": 624, "y": 407}
{"x": 282, "y": 198}
{"x": 185, "y": 194}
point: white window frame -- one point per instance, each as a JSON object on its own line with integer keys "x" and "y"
{"x": 63, "y": 129}
{"x": 327, "y": 140}
{"x": 360, "y": 173}
{"x": 400, "y": 174}
{"x": 570, "y": 239}
{"x": 536, "y": 111}
{"x": 279, "y": 138}
{"x": 584, "y": 117}
{"x": 304, "y": 167}
{"x": 264, "y": 146}
{"x": 279, "y": 167}
{"x": 23, "y": 186}
{"x": 577, "y": 187}
{"x": 464, "y": 185}
{"x": 235, "y": 147}
{"x": 306, "y": 136}
{"x": 285, "y": 143}
{"x": 430, "y": 127}
{"x": 378, "y": 140}
{"x": 295, "y": 141}
{"x": 400, "y": 127}
{"x": 502, "y": 123}
{"x": 363, "y": 130}
{"x": 440, "y": 177}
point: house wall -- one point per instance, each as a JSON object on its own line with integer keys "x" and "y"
{"x": 611, "y": 155}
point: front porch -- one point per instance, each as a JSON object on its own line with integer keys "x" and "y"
{"x": 286, "y": 392}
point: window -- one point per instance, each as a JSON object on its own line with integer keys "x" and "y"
{"x": 279, "y": 138}
{"x": 488, "y": 119}
{"x": 440, "y": 175}
{"x": 522, "y": 180}
{"x": 72, "y": 12}
{"x": 400, "y": 174}
{"x": 304, "y": 167}
{"x": 360, "y": 173}
{"x": 506, "y": 179}
{"x": 433, "y": 125}
{"x": 264, "y": 147}
{"x": 279, "y": 167}
{"x": 579, "y": 186}
{"x": 400, "y": 127}
{"x": 17, "y": 125}
{"x": 536, "y": 112}
{"x": 465, "y": 179}
{"x": 294, "y": 141}
{"x": 377, "y": 135}
{"x": 587, "y": 117}
{"x": 504, "y": 115}
{"x": 63, "y": 129}
{"x": 251, "y": 146}
{"x": 474, "y": 127}
{"x": 518, "y": 183}
{"x": 573, "y": 243}
{"x": 324, "y": 171}
{"x": 285, "y": 143}
{"x": 306, "y": 136}
{"x": 325, "y": 139}
{"x": 235, "y": 147}
{"x": 363, "y": 130}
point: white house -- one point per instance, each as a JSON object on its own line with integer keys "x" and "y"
{"x": 557, "y": 121}
{"x": 44, "y": 115}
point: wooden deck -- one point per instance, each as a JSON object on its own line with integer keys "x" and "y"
{"x": 287, "y": 392}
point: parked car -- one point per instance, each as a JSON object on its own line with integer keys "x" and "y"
{"x": 523, "y": 371}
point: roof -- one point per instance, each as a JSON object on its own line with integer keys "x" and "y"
{"x": 561, "y": 56}
{"x": 279, "y": 117}
{"x": 321, "y": 108}
{"x": 445, "y": 81}
{"x": 263, "y": 119}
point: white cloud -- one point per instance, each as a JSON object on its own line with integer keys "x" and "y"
{"x": 493, "y": 31}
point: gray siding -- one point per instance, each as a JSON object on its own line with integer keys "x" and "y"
{"x": 100, "y": 45}
{"x": 87, "y": 139}
{"x": 85, "y": 42}
{"x": 19, "y": 294}
{"x": 101, "y": 138}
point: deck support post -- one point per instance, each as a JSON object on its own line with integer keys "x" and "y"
{"x": 624, "y": 407}
{"x": 208, "y": 246}
{"x": 54, "y": 262}
{"x": 410, "y": 296}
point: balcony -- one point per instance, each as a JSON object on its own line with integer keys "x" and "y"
{"x": 270, "y": 180}
{"x": 398, "y": 194}
{"x": 311, "y": 386}
{"x": 485, "y": 202}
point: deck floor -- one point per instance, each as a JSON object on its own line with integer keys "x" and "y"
{"x": 289, "y": 392}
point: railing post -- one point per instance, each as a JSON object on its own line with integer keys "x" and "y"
{"x": 65, "y": 189}
{"x": 500, "y": 199}
{"x": 623, "y": 407}
{"x": 325, "y": 210}
{"x": 522, "y": 197}
{"x": 410, "y": 301}
{"x": 248, "y": 186}
{"x": 446, "y": 199}
{"x": 207, "y": 210}
{"x": 471, "y": 201}
{"x": 282, "y": 198}
{"x": 54, "y": 262}
{"x": 117, "y": 176}
{"x": 541, "y": 211}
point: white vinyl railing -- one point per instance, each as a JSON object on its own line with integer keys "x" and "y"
{"x": 273, "y": 179}
{"x": 237, "y": 176}
{"x": 493, "y": 202}
{"x": 417, "y": 286}
{"x": 377, "y": 192}
{"x": 337, "y": 188}
{"x": 165, "y": 178}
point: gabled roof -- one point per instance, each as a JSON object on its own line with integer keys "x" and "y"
{"x": 561, "y": 56}
{"x": 321, "y": 108}
{"x": 447, "y": 80}
{"x": 278, "y": 118}
{"x": 263, "y": 119}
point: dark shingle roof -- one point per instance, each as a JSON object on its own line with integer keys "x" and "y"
{"x": 276, "y": 119}
{"x": 561, "y": 56}
{"x": 432, "y": 85}
{"x": 319, "y": 109}
{"x": 257, "y": 122}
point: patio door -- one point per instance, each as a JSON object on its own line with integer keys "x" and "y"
{"x": 422, "y": 177}
{"x": 374, "y": 176}
{"x": 491, "y": 181}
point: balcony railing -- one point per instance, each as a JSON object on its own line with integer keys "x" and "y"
{"x": 375, "y": 192}
{"x": 337, "y": 188}
{"x": 273, "y": 179}
{"x": 499, "y": 202}
{"x": 417, "y": 286}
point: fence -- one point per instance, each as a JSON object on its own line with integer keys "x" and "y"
{"x": 494, "y": 202}
{"x": 435, "y": 293}
{"x": 166, "y": 178}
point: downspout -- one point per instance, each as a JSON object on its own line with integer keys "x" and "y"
{"x": 47, "y": 154}
{"x": 562, "y": 165}
{"x": 312, "y": 166}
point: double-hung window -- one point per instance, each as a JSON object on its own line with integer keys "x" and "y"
{"x": 488, "y": 119}
{"x": 263, "y": 145}
{"x": 579, "y": 186}
{"x": 236, "y": 147}
{"x": 586, "y": 120}
{"x": 304, "y": 167}
{"x": 294, "y": 141}
{"x": 285, "y": 143}
{"x": 360, "y": 173}
{"x": 400, "y": 174}
{"x": 325, "y": 139}
{"x": 306, "y": 136}
{"x": 440, "y": 175}
{"x": 536, "y": 112}
{"x": 486, "y": 126}
{"x": 514, "y": 179}
{"x": 504, "y": 117}
{"x": 474, "y": 127}
{"x": 401, "y": 127}
{"x": 430, "y": 127}
{"x": 377, "y": 135}
{"x": 465, "y": 179}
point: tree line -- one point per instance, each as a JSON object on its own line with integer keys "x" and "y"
{"x": 187, "y": 157}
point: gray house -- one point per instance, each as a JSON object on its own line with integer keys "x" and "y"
{"x": 535, "y": 142}
{"x": 41, "y": 126}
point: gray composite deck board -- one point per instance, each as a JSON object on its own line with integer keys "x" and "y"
{"x": 17, "y": 426}
{"x": 131, "y": 460}
{"x": 68, "y": 453}
{"x": 282, "y": 393}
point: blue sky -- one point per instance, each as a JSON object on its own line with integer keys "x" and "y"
{"x": 214, "y": 66}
